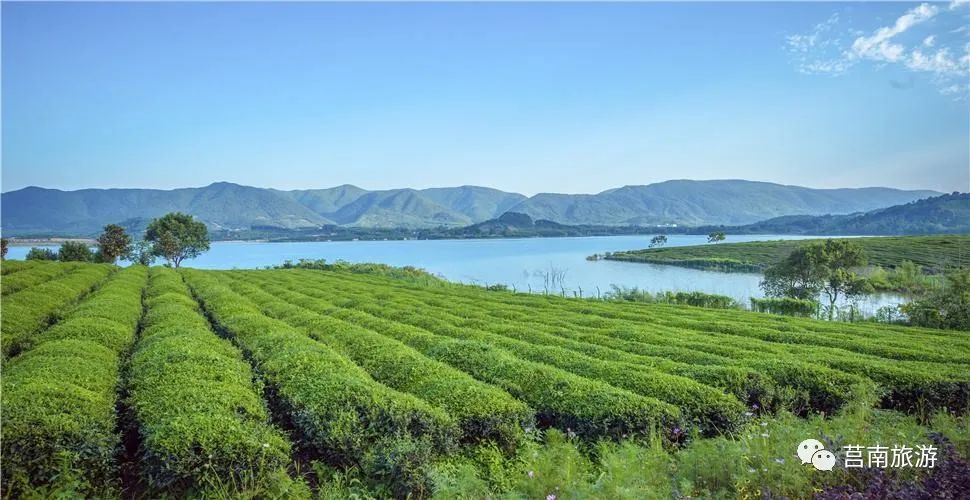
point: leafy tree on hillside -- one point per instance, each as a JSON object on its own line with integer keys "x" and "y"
{"x": 3, "y": 248}
{"x": 716, "y": 236}
{"x": 658, "y": 240}
{"x": 36, "y": 253}
{"x": 948, "y": 307}
{"x": 113, "y": 243}
{"x": 75, "y": 251}
{"x": 176, "y": 237}
{"x": 824, "y": 267}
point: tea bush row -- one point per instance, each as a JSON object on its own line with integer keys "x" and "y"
{"x": 203, "y": 426}
{"x": 561, "y": 399}
{"x": 31, "y": 310}
{"x": 339, "y": 412}
{"x": 484, "y": 412}
{"x": 813, "y": 389}
{"x": 13, "y": 283}
{"x": 59, "y": 397}
{"x": 712, "y": 410}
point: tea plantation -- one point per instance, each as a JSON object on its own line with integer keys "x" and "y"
{"x": 292, "y": 383}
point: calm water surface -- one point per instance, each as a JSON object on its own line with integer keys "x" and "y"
{"x": 517, "y": 263}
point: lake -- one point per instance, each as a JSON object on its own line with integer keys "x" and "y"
{"x": 516, "y": 262}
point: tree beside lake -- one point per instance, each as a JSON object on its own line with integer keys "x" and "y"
{"x": 827, "y": 267}
{"x": 176, "y": 237}
{"x": 113, "y": 243}
{"x": 75, "y": 251}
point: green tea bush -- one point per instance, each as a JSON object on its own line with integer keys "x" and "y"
{"x": 339, "y": 411}
{"x": 15, "y": 266}
{"x": 484, "y": 412}
{"x": 36, "y": 275}
{"x": 59, "y": 397}
{"x": 588, "y": 407}
{"x": 202, "y": 424}
{"x": 31, "y": 310}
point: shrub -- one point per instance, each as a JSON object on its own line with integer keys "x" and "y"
{"x": 947, "y": 308}
{"x": 785, "y": 305}
{"x": 483, "y": 412}
{"x": 202, "y": 422}
{"x": 75, "y": 251}
{"x": 340, "y": 412}
{"x": 34, "y": 276}
{"x": 36, "y": 253}
{"x": 30, "y": 310}
{"x": 59, "y": 401}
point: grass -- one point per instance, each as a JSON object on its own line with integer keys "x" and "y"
{"x": 334, "y": 382}
{"x": 933, "y": 253}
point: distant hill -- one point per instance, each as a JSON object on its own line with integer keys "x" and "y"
{"x": 224, "y": 206}
{"x": 695, "y": 203}
{"x": 949, "y": 213}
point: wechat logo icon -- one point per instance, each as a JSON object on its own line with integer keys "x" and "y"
{"x": 812, "y": 451}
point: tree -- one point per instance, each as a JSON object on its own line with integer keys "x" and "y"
{"x": 113, "y": 243}
{"x": 658, "y": 240}
{"x": 75, "y": 251}
{"x": 36, "y": 253}
{"x": 798, "y": 276}
{"x": 141, "y": 252}
{"x": 716, "y": 236}
{"x": 3, "y": 248}
{"x": 177, "y": 237}
{"x": 826, "y": 267}
{"x": 948, "y": 307}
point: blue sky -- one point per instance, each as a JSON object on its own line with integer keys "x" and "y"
{"x": 531, "y": 98}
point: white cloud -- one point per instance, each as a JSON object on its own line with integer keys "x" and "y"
{"x": 880, "y": 47}
{"x": 805, "y": 43}
{"x": 930, "y": 49}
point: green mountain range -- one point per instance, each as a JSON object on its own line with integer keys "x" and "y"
{"x": 949, "y": 213}
{"x": 35, "y": 211}
{"x": 695, "y": 203}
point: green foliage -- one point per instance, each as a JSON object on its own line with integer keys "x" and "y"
{"x": 32, "y": 309}
{"x": 819, "y": 267}
{"x": 393, "y": 388}
{"x": 787, "y": 306}
{"x": 814, "y": 367}
{"x": 658, "y": 240}
{"x": 36, "y": 253}
{"x": 561, "y": 399}
{"x": 409, "y": 273}
{"x": 711, "y": 409}
{"x": 3, "y": 248}
{"x": 58, "y": 408}
{"x": 697, "y": 299}
{"x": 40, "y": 273}
{"x": 758, "y": 462}
{"x": 202, "y": 422}
{"x": 934, "y": 253}
{"x": 141, "y": 252}
{"x": 482, "y": 411}
{"x": 716, "y": 237}
{"x": 176, "y": 237}
{"x": 947, "y": 307}
{"x": 75, "y": 251}
{"x": 336, "y": 406}
{"x": 113, "y": 243}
